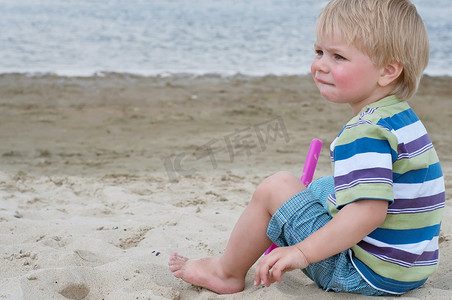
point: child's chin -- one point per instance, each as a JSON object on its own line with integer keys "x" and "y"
{"x": 327, "y": 96}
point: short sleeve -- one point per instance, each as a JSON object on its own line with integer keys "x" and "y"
{"x": 362, "y": 160}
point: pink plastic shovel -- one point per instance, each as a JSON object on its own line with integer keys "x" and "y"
{"x": 308, "y": 170}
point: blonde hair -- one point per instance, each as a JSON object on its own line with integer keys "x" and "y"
{"x": 387, "y": 31}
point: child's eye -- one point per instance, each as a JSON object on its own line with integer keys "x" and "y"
{"x": 319, "y": 52}
{"x": 338, "y": 57}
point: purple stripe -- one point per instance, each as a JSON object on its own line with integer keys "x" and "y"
{"x": 358, "y": 123}
{"x": 368, "y": 111}
{"x": 400, "y": 257}
{"x": 416, "y": 147}
{"x": 434, "y": 201}
{"x": 374, "y": 174}
{"x": 364, "y": 121}
{"x": 407, "y": 265}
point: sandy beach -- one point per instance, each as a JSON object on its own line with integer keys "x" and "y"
{"x": 103, "y": 177}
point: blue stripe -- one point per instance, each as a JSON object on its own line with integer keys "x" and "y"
{"x": 399, "y": 120}
{"x": 421, "y": 175}
{"x": 362, "y": 145}
{"x": 384, "y": 283}
{"x": 405, "y": 236}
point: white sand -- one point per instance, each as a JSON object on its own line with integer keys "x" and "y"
{"x": 88, "y": 207}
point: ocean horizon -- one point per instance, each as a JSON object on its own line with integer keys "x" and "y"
{"x": 83, "y": 37}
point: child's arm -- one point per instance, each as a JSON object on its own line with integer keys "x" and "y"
{"x": 350, "y": 225}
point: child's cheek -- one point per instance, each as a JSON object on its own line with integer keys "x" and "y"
{"x": 344, "y": 80}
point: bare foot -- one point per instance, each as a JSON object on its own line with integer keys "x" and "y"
{"x": 207, "y": 273}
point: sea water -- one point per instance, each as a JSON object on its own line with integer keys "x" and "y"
{"x": 148, "y": 37}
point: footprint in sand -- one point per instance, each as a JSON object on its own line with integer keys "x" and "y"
{"x": 75, "y": 291}
{"x": 68, "y": 282}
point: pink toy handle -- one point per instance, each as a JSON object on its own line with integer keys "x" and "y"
{"x": 308, "y": 171}
{"x": 311, "y": 161}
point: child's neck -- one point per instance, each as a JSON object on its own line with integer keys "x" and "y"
{"x": 381, "y": 92}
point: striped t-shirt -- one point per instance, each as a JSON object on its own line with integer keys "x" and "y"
{"x": 385, "y": 153}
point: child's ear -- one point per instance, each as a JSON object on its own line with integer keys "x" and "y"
{"x": 390, "y": 73}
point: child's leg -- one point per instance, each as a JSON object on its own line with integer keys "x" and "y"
{"x": 226, "y": 273}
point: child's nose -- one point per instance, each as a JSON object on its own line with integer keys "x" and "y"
{"x": 321, "y": 64}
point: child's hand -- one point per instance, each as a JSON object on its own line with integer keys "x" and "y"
{"x": 272, "y": 266}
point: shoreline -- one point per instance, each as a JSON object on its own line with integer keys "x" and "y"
{"x": 103, "y": 177}
{"x": 166, "y": 74}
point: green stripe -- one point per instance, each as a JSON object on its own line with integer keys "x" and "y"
{"x": 421, "y": 161}
{"x": 411, "y": 221}
{"x": 389, "y": 105}
{"x": 391, "y": 270}
{"x": 391, "y": 110}
{"x": 365, "y": 191}
{"x": 366, "y": 131}
{"x": 331, "y": 208}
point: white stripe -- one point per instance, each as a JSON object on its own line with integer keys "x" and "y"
{"x": 417, "y": 190}
{"x": 410, "y": 132}
{"x": 362, "y": 161}
{"x": 413, "y": 210}
{"x": 332, "y": 198}
{"x": 333, "y": 144}
{"x": 415, "y": 248}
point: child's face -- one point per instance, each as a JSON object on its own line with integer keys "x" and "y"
{"x": 344, "y": 74}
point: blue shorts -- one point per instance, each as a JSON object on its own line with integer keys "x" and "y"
{"x": 301, "y": 216}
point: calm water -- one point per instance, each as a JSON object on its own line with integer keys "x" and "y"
{"x": 80, "y": 37}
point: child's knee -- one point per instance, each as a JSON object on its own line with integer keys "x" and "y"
{"x": 275, "y": 182}
{"x": 278, "y": 186}
{"x": 284, "y": 179}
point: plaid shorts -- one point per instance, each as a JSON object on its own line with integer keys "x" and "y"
{"x": 301, "y": 216}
